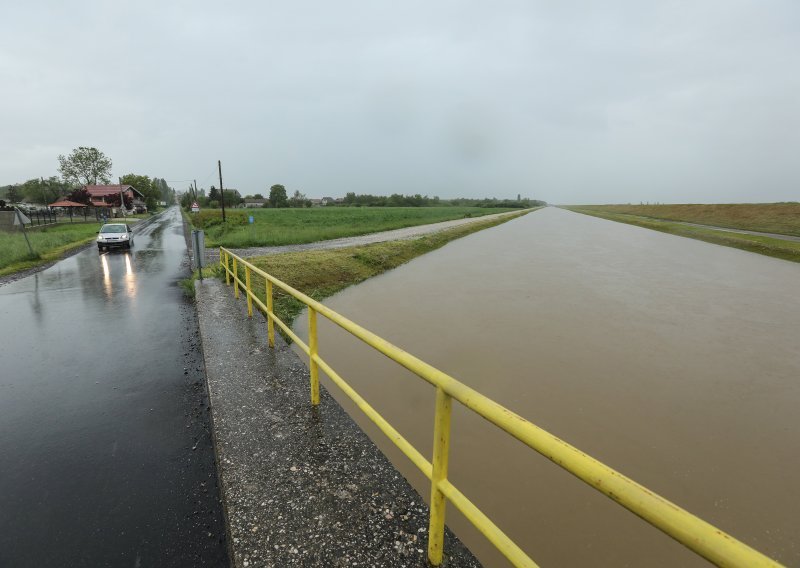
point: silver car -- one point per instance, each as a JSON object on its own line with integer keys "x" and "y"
{"x": 113, "y": 235}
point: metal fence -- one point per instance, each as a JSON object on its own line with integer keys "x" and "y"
{"x": 696, "y": 534}
{"x": 43, "y": 216}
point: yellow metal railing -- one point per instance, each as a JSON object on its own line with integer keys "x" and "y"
{"x": 698, "y": 535}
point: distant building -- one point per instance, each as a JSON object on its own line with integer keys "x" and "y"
{"x": 253, "y": 202}
{"x": 322, "y": 202}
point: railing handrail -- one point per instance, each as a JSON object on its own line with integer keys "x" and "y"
{"x": 688, "y": 529}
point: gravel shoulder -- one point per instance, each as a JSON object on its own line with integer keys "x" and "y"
{"x": 741, "y": 231}
{"x": 301, "y": 486}
{"x": 397, "y": 234}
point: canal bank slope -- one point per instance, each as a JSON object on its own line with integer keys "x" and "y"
{"x": 301, "y": 486}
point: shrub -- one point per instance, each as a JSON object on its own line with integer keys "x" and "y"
{"x": 212, "y": 218}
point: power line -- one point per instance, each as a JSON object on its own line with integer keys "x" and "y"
{"x": 212, "y": 174}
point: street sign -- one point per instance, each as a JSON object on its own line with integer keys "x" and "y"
{"x": 22, "y": 220}
{"x": 195, "y": 207}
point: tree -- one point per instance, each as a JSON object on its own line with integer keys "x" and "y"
{"x": 298, "y": 200}
{"x": 113, "y": 200}
{"x": 258, "y": 196}
{"x": 146, "y": 187}
{"x": 44, "y": 191}
{"x": 13, "y": 193}
{"x": 277, "y": 196}
{"x": 80, "y": 196}
{"x": 213, "y": 193}
{"x": 166, "y": 193}
{"x": 85, "y": 166}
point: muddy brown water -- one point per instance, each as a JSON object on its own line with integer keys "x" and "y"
{"x": 672, "y": 360}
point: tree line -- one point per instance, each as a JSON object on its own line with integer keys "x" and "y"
{"x": 352, "y": 199}
{"x": 212, "y": 200}
{"x": 278, "y": 198}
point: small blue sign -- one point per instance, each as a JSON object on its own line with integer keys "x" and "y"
{"x": 252, "y": 220}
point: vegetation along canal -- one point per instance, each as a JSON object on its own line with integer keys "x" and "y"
{"x": 672, "y": 360}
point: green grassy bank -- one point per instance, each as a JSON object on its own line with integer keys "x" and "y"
{"x": 48, "y": 243}
{"x": 322, "y": 273}
{"x": 782, "y": 218}
{"x": 786, "y": 250}
{"x": 275, "y": 227}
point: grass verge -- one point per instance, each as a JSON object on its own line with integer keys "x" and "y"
{"x": 786, "y": 250}
{"x": 48, "y": 243}
{"x": 276, "y": 227}
{"x": 322, "y": 273}
{"x": 187, "y": 285}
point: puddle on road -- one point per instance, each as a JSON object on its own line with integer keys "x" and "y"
{"x": 671, "y": 360}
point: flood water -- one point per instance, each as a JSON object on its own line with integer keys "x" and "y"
{"x": 672, "y": 360}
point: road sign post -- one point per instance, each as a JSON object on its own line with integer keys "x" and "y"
{"x": 21, "y": 220}
{"x": 199, "y": 251}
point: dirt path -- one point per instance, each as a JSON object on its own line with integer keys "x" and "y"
{"x": 212, "y": 254}
{"x": 741, "y": 231}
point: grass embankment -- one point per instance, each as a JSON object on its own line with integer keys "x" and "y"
{"x": 48, "y": 243}
{"x": 782, "y": 218}
{"x": 786, "y": 250}
{"x": 275, "y": 227}
{"x": 322, "y": 273}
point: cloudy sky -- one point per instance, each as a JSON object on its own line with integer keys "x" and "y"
{"x": 570, "y": 102}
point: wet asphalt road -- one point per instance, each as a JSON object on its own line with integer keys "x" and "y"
{"x": 105, "y": 448}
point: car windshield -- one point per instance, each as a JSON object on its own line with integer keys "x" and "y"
{"x": 113, "y": 229}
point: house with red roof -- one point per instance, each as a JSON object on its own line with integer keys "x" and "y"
{"x": 103, "y": 195}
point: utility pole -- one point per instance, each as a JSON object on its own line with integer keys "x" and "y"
{"x": 221, "y": 191}
{"x": 121, "y": 199}
{"x": 195, "y": 190}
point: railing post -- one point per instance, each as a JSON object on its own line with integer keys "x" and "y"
{"x": 441, "y": 453}
{"x": 270, "y": 323}
{"x": 235, "y": 279}
{"x": 312, "y": 349}
{"x": 249, "y": 291}
{"x": 223, "y": 254}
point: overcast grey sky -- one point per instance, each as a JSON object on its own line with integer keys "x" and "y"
{"x": 571, "y": 102}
